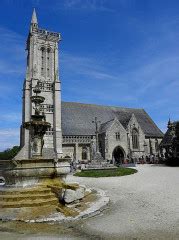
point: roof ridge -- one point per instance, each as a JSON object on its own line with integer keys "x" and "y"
{"x": 107, "y": 121}
{"x": 150, "y": 119}
{"x": 100, "y": 105}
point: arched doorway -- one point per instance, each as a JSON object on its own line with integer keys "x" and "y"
{"x": 118, "y": 155}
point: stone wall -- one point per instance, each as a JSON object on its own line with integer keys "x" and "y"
{"x": 112, "y": 142}
{"x": 114, "y": 136}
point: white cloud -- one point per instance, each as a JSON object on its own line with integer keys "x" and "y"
{"x": 89, "y": 5}
{"x": 11, "y": 117}
{"x": 12, "y": 65}
{"x": 146, "y": 79}
{"x": 12, "y": 54}
{"x": 9, "y": 138}
{"x": 153, "y": 84}
{"x": 86, "y": 66}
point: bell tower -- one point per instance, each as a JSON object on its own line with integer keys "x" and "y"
{"x": 42, "y": 67}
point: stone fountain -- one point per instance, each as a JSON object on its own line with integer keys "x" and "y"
{"x": 38, "y": 125}
{"x": 32, "y": 186}
{"x": 29, "y": 172}
{"x": 34, "y": 189}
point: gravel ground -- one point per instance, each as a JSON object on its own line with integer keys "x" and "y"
{"x": 143, "y": 206}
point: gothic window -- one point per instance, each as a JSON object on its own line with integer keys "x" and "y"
{"x": 135, "y": 138}
{"x": 48, "y": 62}
{"x": 145, "y": 146}
{"x": 84, "y": 153}
{"x": 43, "y": 61}
{"x": 117, "y": 136}
{"x": 156, "y": 145}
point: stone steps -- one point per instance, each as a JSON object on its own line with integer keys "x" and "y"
{"x": 29, "y": 203}
{"x": 99, "y": 167}
{"x": 29, "y": 197}
{"x": 20, "y": 197}
{"x": 32, "y": 191}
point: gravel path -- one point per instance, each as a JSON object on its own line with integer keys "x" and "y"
{"x": 143, "y": 206}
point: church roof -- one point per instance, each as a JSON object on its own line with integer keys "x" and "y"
{"x": 77, "y": 118}
{"x": 167, "y": 139}
{"x": 105, "y": 126}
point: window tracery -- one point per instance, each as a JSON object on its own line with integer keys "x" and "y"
{"x": 118, "y": 136}
{"x": 43, "y": 61}
{"x": 135, "y": 138}
{"x": 156, "y": 145}
{"x": 48, "y": 62}
{"x": 84, "y": 153}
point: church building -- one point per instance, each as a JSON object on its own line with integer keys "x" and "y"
{"x": 78, "y": 130}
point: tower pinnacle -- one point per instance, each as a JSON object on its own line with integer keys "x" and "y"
{"x": 34, "y": 17}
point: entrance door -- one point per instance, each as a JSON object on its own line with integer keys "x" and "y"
{"x": 118, "y": 155}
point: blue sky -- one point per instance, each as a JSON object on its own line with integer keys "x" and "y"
{"x": 113, "y": 52}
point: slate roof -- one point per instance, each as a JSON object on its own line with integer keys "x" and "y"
{"x": 105, "y": 126}
{"x": 167, "y": 139}
{"x": 77, "y": 118}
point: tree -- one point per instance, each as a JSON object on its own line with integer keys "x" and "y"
{"x": 9, "y": 153}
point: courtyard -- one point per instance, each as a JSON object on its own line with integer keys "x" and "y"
{"x": 143, "y": 205}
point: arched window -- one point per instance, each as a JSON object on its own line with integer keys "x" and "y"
{"x": 135, "y": 138}
{"x": 156, "y": 145}
{"x": 84, "y": 153}
{"x": 48, "y": 62}
{"x": 43, "y": 61}
{"x": 118, "y": 136}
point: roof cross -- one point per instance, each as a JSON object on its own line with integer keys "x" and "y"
{"x": 97, "y": 122}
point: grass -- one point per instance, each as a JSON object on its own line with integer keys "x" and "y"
{"x": 106, "y": 172}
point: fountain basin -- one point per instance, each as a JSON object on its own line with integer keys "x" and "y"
{"x": 28, "y": 172}
{"x": 36, "y": 123}
{"x": 37, "y": 99}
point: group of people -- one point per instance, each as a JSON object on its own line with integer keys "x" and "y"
{"x": 152, "y": 159}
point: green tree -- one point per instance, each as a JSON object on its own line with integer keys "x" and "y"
{"x": 9, "y": 153}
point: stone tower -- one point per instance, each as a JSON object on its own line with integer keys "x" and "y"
{"x": 42, "y": 67}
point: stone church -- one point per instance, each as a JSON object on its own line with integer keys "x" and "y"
{"x": 78, "y": 129}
